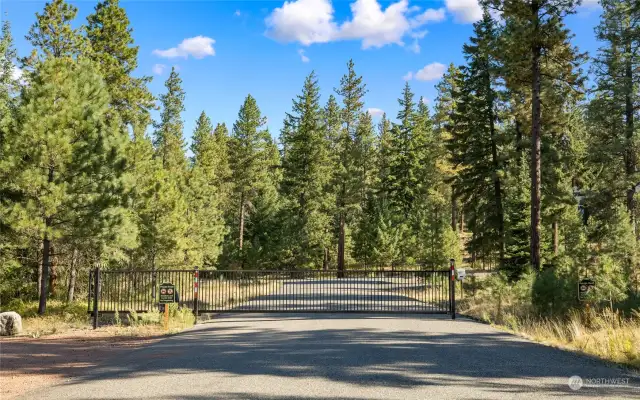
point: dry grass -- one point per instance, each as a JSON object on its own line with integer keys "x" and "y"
{"x": 605, "y": 333}
{"x": 62, "y": 318}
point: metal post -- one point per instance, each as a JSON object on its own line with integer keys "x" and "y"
{"x": 96, "y": 296}
{"x": 452, "y": 287}
{"x": 195, "y": 291}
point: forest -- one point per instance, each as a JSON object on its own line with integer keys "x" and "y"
{"x": 525, "y": 163}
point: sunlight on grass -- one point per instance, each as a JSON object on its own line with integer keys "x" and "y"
{"x": 605, "y": 333}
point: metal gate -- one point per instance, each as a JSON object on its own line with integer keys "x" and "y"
{"x": 214, "y": 291}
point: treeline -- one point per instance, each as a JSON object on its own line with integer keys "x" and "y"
{"x": 520, "y": 165}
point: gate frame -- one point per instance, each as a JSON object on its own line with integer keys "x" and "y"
{"x": 95, "y": 282}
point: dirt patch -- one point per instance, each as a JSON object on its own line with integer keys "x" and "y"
{"x": 27, "y": 363}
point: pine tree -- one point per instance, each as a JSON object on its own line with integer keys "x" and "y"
{"x": 168, "y": 138}
{"x": 615, "y": 108}
{"x": 111, "y": 48}
{"x": 66, "y": 157}
{"x": 533, "y": 30}
{"x": 12, "y": 275}
{"x": 402, "y": 179}
{"x": 206, "y": 225}
{"x": 52, "y": 35}
{"x": 477, "y": 144}
{"x": 248, "y": 159}
{"x": 352, "y": 91}
{"x": 306, "y": 166}
{"x": 384, "y": 150}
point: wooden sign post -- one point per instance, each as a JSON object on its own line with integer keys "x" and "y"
{"x": 167, "y": 296}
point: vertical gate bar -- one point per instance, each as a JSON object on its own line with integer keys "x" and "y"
{"x": 89, "y": 291}
{"x": 96, "y": 290}
{"x": 196, "y": 288}
{"x": 452, "y": 288}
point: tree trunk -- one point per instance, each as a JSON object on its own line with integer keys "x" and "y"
{"x": 535, "y": 139}
{"x": 53, "y": 274}
{"x": 72, "y": 277}
{"x": 555, "y": 237}
{"x": 341, "y": 246}
{"x": 630, "y": 158}
{"x": 40, "y": 262}
{"x": 46, "y": 261}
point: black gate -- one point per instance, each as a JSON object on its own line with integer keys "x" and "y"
{"x": 213, "y": 291}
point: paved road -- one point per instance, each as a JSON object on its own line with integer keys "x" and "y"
{"x": 407, "y": 293}
{"x": 347, "y": 356}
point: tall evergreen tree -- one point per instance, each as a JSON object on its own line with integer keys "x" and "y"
{"x": 111, "y": 48}
{"x": 534, "y": 32}
{"x": 52, "y": 35}
{"x": 477, "y": 144}
{"x": 168, "y": 136}
{"x": 306, "y": 167}
{"x": 204, "y": 214}
{"x": 66, "y": 156}
{"x": 248, "y": 158}
{"x": 352, "y": 91}
{"x": 402, "y": 178}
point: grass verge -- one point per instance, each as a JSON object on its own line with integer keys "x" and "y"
{"x": 604, "y": 333}
{"x": 62, "y": 318}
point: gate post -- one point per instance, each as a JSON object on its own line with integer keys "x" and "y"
{"x": 195, "y": 291}
{"x": 96, "y": 296}
{"x": 452, "y": 288}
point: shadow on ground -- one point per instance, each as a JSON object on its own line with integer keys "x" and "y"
{"x": 391, "y": 352}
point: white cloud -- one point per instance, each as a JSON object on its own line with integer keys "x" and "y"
{"x": 237, "y": 13}
{"x": 375, "y": 27}
{"x": 303, "y": 58}
{"x": 158, "y": 69}
{"x": 430, "y": 15}
{"x": 425, "y": 100}
{"x": 430, "y": 72}
{"x": 375, "y": 112}
{"x": 590, "y": 3}
{"x": 414, "y": 47}
{"x": 304, "y": 21}
{"x": 197, "y": 47}
{"x": 464, "y": 11}
{"x": 419, "y": 34}
{"x": 312, "y": 21}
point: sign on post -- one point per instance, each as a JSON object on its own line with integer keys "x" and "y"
{"x": 167, "y": 293}
{"x": 585, "y": 289}
{"x": 461, "y": 273}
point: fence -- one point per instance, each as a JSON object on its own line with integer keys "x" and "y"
{"x": 212, "y": 291}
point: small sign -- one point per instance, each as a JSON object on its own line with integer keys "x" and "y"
{"x": 585, "y": 289}
{"x": 167, "y": 293}
{"x": 461, "y": 274}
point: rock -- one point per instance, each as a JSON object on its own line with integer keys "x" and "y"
{"x": 10, "y": 323}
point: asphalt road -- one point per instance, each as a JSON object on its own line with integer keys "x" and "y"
{"x": 370, "y": 294}
{"x": 343, "y": 356}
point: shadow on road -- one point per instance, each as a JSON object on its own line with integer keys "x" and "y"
{"x": 298, "y": 345}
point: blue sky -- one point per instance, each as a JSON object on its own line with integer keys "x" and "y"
{"x": 225, "y": 50}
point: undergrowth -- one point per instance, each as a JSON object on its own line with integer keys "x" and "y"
{"x": 602, "y": 331}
